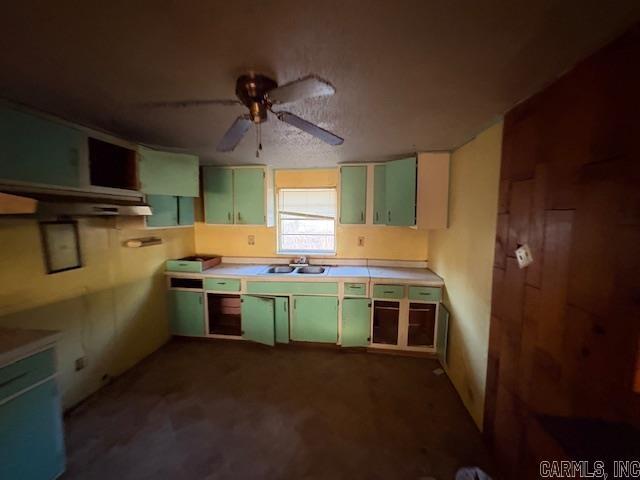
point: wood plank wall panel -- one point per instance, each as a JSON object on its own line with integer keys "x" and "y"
{"x": 565, "y": 332}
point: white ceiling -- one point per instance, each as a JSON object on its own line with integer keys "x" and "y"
{"x": 409, "y": 75}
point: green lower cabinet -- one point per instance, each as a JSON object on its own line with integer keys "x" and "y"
{"x": 258, "y": 319}
{"x": 356, "y": 322}
{"x": 282, "y": 319}
{"x": 187, "y": 313}
{"x": 31, "y": 442}
{"x": 315, "y": 319}
{"x": 164, "y": 209}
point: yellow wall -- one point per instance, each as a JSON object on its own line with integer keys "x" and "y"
{"x": 380, "y": 242}
{"x": 113, "y": 311}
{"x": 463, "y": 256}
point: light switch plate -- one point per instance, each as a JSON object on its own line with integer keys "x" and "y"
{"x": 361, "y": 241}
{"x": 524, "y": 257}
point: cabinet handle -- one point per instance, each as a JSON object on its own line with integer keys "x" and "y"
{"x": 425, "y": 293}
{"x": 361, "y": 215}
{"x": 284, "y": 304}
{"x": 239, "y": 216}
{"x": 221, "y": 283}
{"x": 377, "y": 216}
{"x": 229, "y": 217}
{"x": 389, "y": 215}
{"x": 294, "y": 303}
{"x": 200, "y": 299}
{"x": 388, "y": 291}
{"x": 11, "y": 380}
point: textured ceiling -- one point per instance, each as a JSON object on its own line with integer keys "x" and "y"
{"x": 410, "y": 75}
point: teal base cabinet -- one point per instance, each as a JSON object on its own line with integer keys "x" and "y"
{"x": 187, "y": 313}
{"x": 258, "y": 319}
{"x": 282, "y": 319}
{"x": 314, "y": 319}
{"x": 356, "y": 322}
{"x": 31, "y": 438}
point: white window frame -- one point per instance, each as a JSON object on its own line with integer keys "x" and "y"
{"x": 335, "y": 223}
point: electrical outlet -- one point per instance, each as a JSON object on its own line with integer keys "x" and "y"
{"x": 523, "y": 255}
{"x": 81, "y": 362}
{"x": 361, "y": 241}
{"x": 251, "y": 239}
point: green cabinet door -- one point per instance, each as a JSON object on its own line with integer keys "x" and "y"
{"x": 168, "y": 173}
{"x": 282, "y": 319}
{"x": 442, "y": 334}
{"x": 258, "y": 319}
{"x": 356, "y": 321}
{"x": 379, "y": 189}
{"x": 36, "y": 150}
{"x": 400, "y": 192}
{"x": 217, "y": 185}
{"x": 315, "y": 319}
{"x": 187, "y": 313}
{"x": 164, "y": 209}
{"x": 353, "y": 194}
{"x": 248, "y": 192}
{"x": 31, "y": 442}
{"x": 186, "y": 214}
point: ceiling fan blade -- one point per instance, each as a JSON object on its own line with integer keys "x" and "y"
{"x": 191, "y": 103}
{"x": 235, "y": 133}
{"x": 306, "y": 87}
{"x": 310, "y": 128}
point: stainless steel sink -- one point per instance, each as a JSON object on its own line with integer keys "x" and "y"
{"x": 282, "y": 269}
{"x": 311, "y": 270}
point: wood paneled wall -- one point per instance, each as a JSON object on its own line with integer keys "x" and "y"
{"x": 564, "y": 331}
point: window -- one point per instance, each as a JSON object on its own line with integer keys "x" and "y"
{"x": 307, "y": 220}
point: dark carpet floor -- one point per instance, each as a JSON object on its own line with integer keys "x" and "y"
{"x": 233, "y": 410}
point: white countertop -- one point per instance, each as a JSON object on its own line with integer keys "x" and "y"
{"x": 423, "y": 276}
{"x": 17, "y": 343}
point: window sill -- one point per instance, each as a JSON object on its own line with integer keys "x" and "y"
{"x": 306, "y": 253}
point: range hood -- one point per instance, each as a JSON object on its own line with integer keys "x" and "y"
{"x": 47, "y": 202}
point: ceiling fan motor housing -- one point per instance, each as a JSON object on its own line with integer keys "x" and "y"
{"x": 252, "y": 91}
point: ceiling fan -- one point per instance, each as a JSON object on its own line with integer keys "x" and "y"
{"x": 260, "y": 94}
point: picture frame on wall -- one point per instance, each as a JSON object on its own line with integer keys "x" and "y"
{"x": 61, "y": 245}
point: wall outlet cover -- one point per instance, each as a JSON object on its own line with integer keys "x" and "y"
{"x": 251, "y": 239}
{"x": 524, "y": 256}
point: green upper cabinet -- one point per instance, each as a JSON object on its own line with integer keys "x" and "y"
{"x": 217, "y": 185}
{"x": 379, "y": 196}
{"x": 234, "y": 195}
{"x": 186, "y": 211}
{"x": 187, "y": 313}
{"x": 353, "y": 194}
{"x": 258, "y": 319}
{"x": 356, "y": 321}
{"x": 165, "y": 173}
{"x": 164, "y": 209}
{"x": 315, "y": 319}
{"x": 249, "y": 196}
{"x": 36, "y": 150}
{"x": 400, "y": 192}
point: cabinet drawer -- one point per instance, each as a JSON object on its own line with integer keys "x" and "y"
{"x": 357, "y": 289}
{"x": 24, "y": 373}
{"x": 388, "y": 291}
{"x": 222, "y": 284}
{"x": 431, "y": 294}
{"x": 183, "y": 266}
